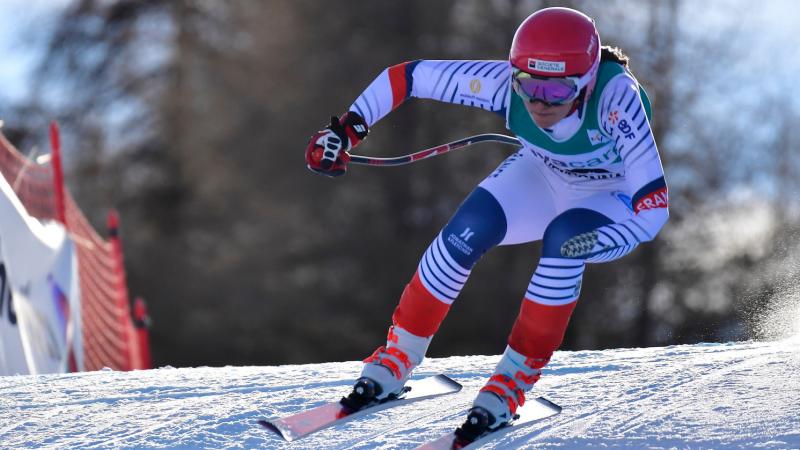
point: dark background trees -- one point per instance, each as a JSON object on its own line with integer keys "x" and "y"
{"x": 191, "y": 118}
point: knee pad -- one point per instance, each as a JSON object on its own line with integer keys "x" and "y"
{"x": 567, "y": 225}
{"x": 477, "y": 226}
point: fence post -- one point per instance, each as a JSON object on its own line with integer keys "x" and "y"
{"x": 121, "y": 290}
{"x": 58, "y": 173}
{"x": 141, "y": 324}
{"x": 61, "y": 210}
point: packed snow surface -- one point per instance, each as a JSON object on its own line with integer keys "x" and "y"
{"x": 736, "y": 395}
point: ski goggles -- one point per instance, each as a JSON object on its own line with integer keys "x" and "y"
{"x": 549, "y": 90}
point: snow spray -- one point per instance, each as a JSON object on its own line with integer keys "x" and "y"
{"x": 781, "y": 320}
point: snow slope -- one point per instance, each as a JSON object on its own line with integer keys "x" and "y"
{"x": 736, "y": 395}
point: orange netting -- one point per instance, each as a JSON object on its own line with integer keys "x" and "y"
{"x": 109, "y": 336}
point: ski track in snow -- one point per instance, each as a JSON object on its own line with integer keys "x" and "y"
{"x": 705, "y": 396}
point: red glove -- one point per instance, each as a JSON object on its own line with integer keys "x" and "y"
{"x": 327, "y": 150}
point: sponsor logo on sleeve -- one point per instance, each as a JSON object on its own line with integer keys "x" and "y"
{"x": 653, "y": 200}
{"x": 626, "y": 129}
{"x": 474, "y": 94}
{"x": 475, "y": 86}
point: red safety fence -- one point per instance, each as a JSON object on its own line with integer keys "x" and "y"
{"x": 111, "y": 337}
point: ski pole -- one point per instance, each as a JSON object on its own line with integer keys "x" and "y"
{"x": 433, "y": 151}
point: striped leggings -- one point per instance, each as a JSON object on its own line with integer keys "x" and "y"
{"x": 521, "y": 201}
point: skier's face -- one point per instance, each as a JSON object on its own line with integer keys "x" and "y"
{"x": 546, "y": 115}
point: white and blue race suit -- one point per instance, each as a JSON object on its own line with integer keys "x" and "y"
{"x": 598, "y": 169}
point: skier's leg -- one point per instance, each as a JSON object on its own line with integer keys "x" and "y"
{"x": 542, "y": 321}
{"x": 477, "y": 226}
{"x": 513, "y": 204}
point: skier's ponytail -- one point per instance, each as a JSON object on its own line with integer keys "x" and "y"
{"x": 609, "y": 53}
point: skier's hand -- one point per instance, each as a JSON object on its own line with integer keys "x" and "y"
{"x": 327, "y": 150}
{"x": 606, "y": 243}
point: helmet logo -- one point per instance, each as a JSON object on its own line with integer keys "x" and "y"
{"x": 592, "y": 45}
{"x": 547, "y": 66}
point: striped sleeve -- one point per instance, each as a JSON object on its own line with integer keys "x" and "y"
{"x": 477, "y": 83}
{"x": 623, "y": 118}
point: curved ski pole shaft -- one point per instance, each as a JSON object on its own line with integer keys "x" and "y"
{"x": 433, "y": 151}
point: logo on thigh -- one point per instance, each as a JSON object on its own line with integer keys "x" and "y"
{"x": 460, "y": 242}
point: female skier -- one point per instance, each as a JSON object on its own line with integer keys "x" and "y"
{"x": 588, "y": 182}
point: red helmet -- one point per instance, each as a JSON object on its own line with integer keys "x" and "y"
{"x": 557, "y": 42}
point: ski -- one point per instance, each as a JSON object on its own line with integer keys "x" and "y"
{"x": 533, "y": 411}
{"x": 299, "y": 425}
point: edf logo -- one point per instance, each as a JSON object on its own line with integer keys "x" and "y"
{"x": 466, "y": 234}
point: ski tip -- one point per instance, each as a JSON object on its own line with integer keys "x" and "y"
{"x": 549, "y": 404}
{"x": 270, "y": 426}
{"x": 453, "y": 384}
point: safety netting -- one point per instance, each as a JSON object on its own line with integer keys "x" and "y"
{"x": 111, "y": 336}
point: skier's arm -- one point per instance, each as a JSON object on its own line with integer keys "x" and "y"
{"x": 623, "y": 118}
{"x": 482, "y": 84}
